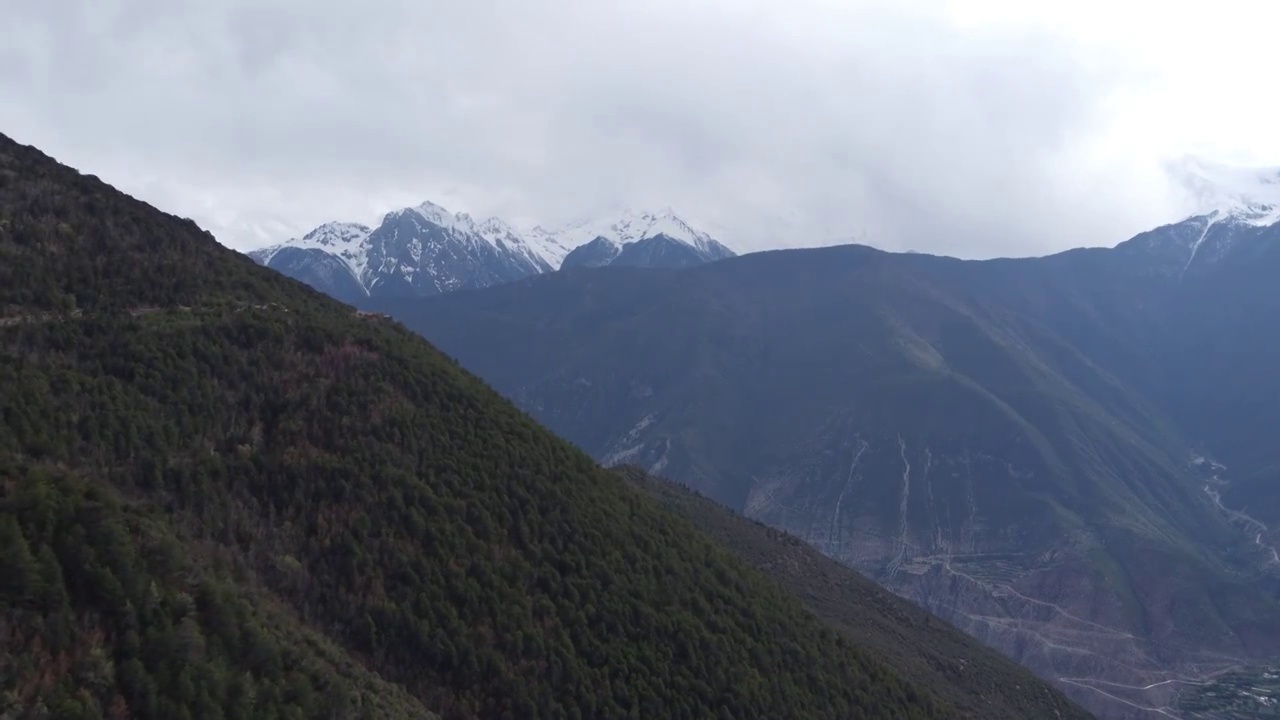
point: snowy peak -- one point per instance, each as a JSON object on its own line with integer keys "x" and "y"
{"x": 496, "y": 228}
{"x": 337, "y": 235}
{"x": 1235, "y": 214}
{"x": 340, "y": 238}
{"x": 597, "y": 253}
{"x": 438, "y": 216}
{"x": 1221, "y": 192}
{"x": 426, "y": 249}
{"x": 433, "y": 213}
{"x": 641, "y": 239}
{"x": 634, "y": 226}
{"x": 538, "y": 246}
{"x": 498, "y": 233}
{"x": 346, "y": 241}
{"x": 540, "y": 251}
{"x": 419, "y": 250}
{"x": 648, "y": 239}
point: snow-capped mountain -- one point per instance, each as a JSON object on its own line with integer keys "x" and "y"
{"x": 337, "y": 238}
{"x": 331, "y": 258}
{"x": 1246, "y": 195}
{"x": 632, "y": 227}
{"x": 1235, "y": 214}
{"x": 424, "y": 250}
{"x": 421, "y": 250}
{"x": 641, "y": 240}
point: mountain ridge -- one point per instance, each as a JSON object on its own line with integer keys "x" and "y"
{"x": 425, "y": 250}
{"x": 1222, "y": 195}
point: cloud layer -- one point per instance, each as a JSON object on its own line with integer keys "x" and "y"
{"x": 770, "y": 124}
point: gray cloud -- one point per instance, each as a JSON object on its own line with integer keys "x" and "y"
{"x": 770, "y": 124}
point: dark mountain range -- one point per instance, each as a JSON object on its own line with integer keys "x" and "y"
{"x": 1032, "y": 449}
{"x": 224, "y": 495}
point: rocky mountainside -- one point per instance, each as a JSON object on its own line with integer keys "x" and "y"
{"x": 223, "y": 494}
{"x": 426, "y": 250}
{"x": 1069, "y": 457}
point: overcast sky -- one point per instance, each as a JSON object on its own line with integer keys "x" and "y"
{"x": 973, "y": 127}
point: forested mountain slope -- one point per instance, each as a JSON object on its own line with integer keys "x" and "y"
{"x": 225, "y": 495}
{"x": 974, "y": 678}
